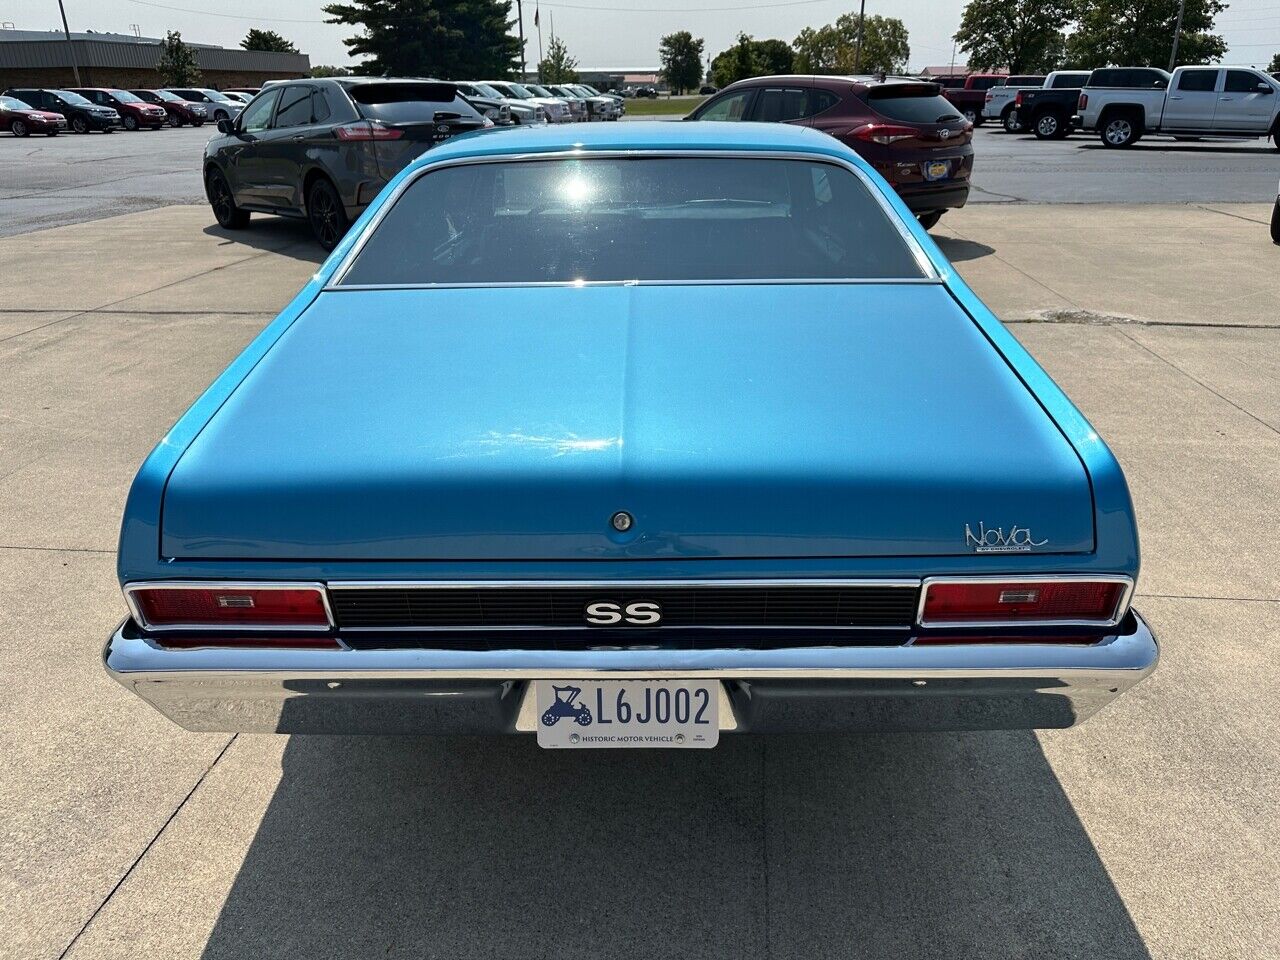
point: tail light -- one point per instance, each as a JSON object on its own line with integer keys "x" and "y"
{"x": 1017, "y": 99}
{"x": 229, "y": 606}
{"x": 989, "y": 97}
{"x": 367, "y": 130}
{"x": 885, "y": 133}
{"x": 1042, "y": 601}
{"x": 1083, "y": 102}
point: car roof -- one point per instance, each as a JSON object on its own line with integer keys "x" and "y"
{"x": 658, "y": 135}
{"x": 826, "y": 80}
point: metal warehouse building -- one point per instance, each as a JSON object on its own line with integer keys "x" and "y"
{"x": 34, "y": 58}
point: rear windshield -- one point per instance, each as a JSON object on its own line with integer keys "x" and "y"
{"x": 635, "y": 218}
{"x": 1070, "y": 80}
{"x": 921, "y": 104}
{"x": 410, "y": 102}
{"x": 1030, "y": 80}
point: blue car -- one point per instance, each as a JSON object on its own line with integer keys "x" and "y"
{"x": 691, "y": 419}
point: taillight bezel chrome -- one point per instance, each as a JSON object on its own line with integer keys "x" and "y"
{"x": 1118, "y": 614}
{"x": 135, "y": 608}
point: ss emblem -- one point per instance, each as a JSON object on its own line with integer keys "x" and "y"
{"x": 641, "y": 613}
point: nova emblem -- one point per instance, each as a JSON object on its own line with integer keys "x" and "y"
{"x": 639, "y": 613}
{"x": 994, "y": 540}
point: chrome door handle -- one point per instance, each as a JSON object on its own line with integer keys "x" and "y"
{"x": 298, "y": 138}
{"x": 1175, "y": 98}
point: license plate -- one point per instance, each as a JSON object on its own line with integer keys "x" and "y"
{"x": 936, "y": 169}
{"x": 605, "y": 714}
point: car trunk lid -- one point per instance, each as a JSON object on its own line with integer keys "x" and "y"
{"x": 776, "y": 420}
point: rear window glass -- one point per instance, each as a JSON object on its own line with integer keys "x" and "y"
{"x": 911, "y": 104}
{"x": 635, "y": 218}
{"x": 1129, "y": 77}
{"x": 1030, "y": 80}
{"x": 985, "y": 83}
{"x": 409, "y": 102}
{"x": 1070, "y": 80}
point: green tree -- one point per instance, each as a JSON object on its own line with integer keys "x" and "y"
{"x": 328, "y": 70}
{"x": 1274, "y": 65}
{"x": 681, "y": 57}
{"x": 267, "y": 40}
{"x": 834, "y": 48}
{"x": 177, "y": 63}
{"x": 430, "y": 38}
{"x": 1022, "y": 37}
{"x": 751, "y": 58}
{"x": 1139, "y": 33}
{"x": 558, "y": 66}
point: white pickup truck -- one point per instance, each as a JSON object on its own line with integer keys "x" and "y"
{"x": 999, "y": 103}
{"x": 1124, "y": 103}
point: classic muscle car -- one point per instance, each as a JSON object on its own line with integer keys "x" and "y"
{"x": 631, "y": 435}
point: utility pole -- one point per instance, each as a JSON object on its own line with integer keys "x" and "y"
{"x": 520, "y": 17}
{"x": 71, "y": 47}
{"x": 857, "y": 51}
{"x": 1177, "y": 33}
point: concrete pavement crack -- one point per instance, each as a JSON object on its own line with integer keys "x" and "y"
{"x": 1196, "y": 380}
{"x": 147, "y": 849}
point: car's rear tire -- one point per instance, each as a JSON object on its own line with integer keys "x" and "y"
{"x": 223, "y": 202}
{"x": 1119, "y": 130}
{"x": 220, "y": 115}
{"x": 175, "y": 120}
{"x": 19, "y": 128}
{"x": 325, "y": 213}
{"x": 971, "y": 115}
{"x": 130, "y": 123}
{"x": 1050, "y": 125}
{"x": 930, "y": 220}
{"x": 108, "y": 129}
{"x": 51, "y": 133}
{"x": 79, "y": 125}
{"x": 1009, "y": 119}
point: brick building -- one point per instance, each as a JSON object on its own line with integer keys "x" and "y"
{"x": 37, "y": 58}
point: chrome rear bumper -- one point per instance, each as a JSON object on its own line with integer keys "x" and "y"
{"x": 809, "y": 689}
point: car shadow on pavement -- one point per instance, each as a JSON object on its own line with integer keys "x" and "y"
{"x": 282, "y": 235}
{"x": 959, "y": 250}
{"x": 907, "y": 846}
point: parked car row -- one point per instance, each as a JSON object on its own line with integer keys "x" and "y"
{"x": 1123, "y": 104}
{"x": 27, "y": 110}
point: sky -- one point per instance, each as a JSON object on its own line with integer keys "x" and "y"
{"x": 600, "y": 33}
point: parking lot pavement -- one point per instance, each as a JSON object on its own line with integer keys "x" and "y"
{"x": 1151, "y": 831}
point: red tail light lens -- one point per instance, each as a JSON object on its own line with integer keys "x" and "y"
{"x": 885, "y": 133}
{"x": 1017, "y": 99}
{"x": 367, "y": 130}
{"x": 997, "y": 602}
{"x": 1084, "y": 101}
{"x": 230, "y": 606}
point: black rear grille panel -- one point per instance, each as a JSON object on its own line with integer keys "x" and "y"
{"x": 499, "y": 608}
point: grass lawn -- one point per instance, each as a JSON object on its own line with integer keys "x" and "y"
{"x": 662, "y": 107}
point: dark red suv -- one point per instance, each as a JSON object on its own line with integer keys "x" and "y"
{"x": 903, "y": 127}
{"x": 135, "y": 113}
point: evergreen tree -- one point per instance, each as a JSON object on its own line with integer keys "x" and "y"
{"x": 177, "y": 63}
{"x": 267, "y": 40}
{"x": 558, "y": 66}
{"x": 430, "y": 38}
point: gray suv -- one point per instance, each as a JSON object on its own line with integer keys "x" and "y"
{"x": 322, "y": 149}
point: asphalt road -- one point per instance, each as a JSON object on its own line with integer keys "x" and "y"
{"x": 47, "y": 182}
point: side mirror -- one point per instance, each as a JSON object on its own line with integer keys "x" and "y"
{"x": 224, "y": 126}
{"x": 1264, "y": 87}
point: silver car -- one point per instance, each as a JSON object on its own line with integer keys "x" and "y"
{"x": 522, "y": 112}
{"x": 218, "y": 104}
{"x": 557, "y": 109}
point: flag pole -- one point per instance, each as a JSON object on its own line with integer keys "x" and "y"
{"x": 537, "y": 22}
{"x": 520, "y": 17}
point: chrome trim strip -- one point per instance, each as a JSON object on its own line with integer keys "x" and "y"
{"x": 917, "y": 251}
{"x": 1122, "y": 606}
{"x": 136, "y": 610}
{"x": 613, "y": 585}
{"x": 764, "y": 282}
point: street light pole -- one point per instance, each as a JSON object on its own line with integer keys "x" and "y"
{"x": 1177, "y": 33}
{"x": 71, "y": 47}
{"x": 857, "y": 52}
